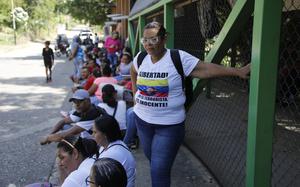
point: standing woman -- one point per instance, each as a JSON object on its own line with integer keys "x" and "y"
{"x": 159, "y": 99}
{"x": 77, "y": 57}
{"x": 48, "y": 60}
{"x": 113, "y": 47}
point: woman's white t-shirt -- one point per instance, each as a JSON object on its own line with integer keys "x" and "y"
{"x": 160, "y": 98}
{"x": 121, "y": 154}
{"x": 125, "y": 68}
{"x": 120, "y": 115}
{"x": 77, "y": 178}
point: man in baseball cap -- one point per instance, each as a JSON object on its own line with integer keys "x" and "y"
{"x": 80, "y": 95}
{"x": 79, "y": 122}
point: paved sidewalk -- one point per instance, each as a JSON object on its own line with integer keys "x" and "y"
{"x": 187, "y": 171}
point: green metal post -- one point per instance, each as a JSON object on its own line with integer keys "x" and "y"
{"x": 265, "y": 45}
{"x": 141, "y": 26}
{"x": 131, "y": 37}
{"x": 169, "y": 24}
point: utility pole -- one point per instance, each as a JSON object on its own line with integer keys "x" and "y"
{"x": 14, "y": 21}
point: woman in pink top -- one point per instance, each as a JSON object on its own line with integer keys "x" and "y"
{"x": 95, "y": 88}
{"x": 113, "y": 45}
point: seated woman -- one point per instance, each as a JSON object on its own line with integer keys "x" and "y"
{"x": 113, "y": 107}
{"x": 107, "y": 134}
{"x": 123, "y": 70}
{"x": 75, "y": 160}
{"x": 95, "y": 90}
{"x": 107, "y": 172}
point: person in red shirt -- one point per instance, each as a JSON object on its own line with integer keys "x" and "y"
{"x": 91, "y": 63}
{"x": 88, "y": 79}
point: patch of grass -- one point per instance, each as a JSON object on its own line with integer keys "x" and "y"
{"x": 6, "y": 39}
{"x": 5, "y": 42}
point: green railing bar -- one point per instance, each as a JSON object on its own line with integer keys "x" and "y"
{"x": 141, "y": 26}
{"x": 131, "y": 37}
{"x": 265, "y": 46}
{"x": 169, "y": 24}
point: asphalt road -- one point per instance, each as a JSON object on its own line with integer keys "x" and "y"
{"x": 29, "y": 107}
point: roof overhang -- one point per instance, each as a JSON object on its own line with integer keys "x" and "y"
{"x": 113, "y": 15}
{"x": 122, "y": 17}
{"x": 140, "y": 5}
{"x": 110, "y": 23}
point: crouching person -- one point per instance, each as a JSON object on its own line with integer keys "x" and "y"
{"x": 79, "y": 122}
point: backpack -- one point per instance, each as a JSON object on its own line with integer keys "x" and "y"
{"x": 186, "y": 82}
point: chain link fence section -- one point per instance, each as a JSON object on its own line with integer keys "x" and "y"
{"x": 286, "y": 143}
{"x": 187, "y": 33}
{"x": 216, "y": 128}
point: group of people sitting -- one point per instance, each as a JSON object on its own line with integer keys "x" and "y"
{"x": 91, "y": 146}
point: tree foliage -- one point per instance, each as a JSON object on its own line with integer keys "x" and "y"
{"x": 90, "y": 11}
{"x": 44, "y": 14}
{"x": 40, "y": 12}
{"x": 4, "y": 11}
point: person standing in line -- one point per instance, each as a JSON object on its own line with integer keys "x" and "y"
{"x": 96, "y": 40}
{"x": 113, "y": 47}
{"x": 159, "y": 99}
{"x": 48, "y": 56}
{"x": 77, "y": 57}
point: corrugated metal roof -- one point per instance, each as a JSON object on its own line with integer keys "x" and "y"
{"x": 140, "y": 5}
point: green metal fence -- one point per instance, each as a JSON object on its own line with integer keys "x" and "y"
{"x": 246, "y": 135}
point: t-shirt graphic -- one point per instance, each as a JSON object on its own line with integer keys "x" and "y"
{"x": 155, "y": 88}
{"x": 153, "y": 92}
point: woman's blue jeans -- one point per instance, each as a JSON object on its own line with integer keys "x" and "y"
{"x": 160, "y": 144}
{"x": 78, "y": 63}
{"x": 131, "y": 127}
{"x": 113, "y": 58}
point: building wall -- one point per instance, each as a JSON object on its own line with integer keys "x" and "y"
{"x": 123, "y": 7}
